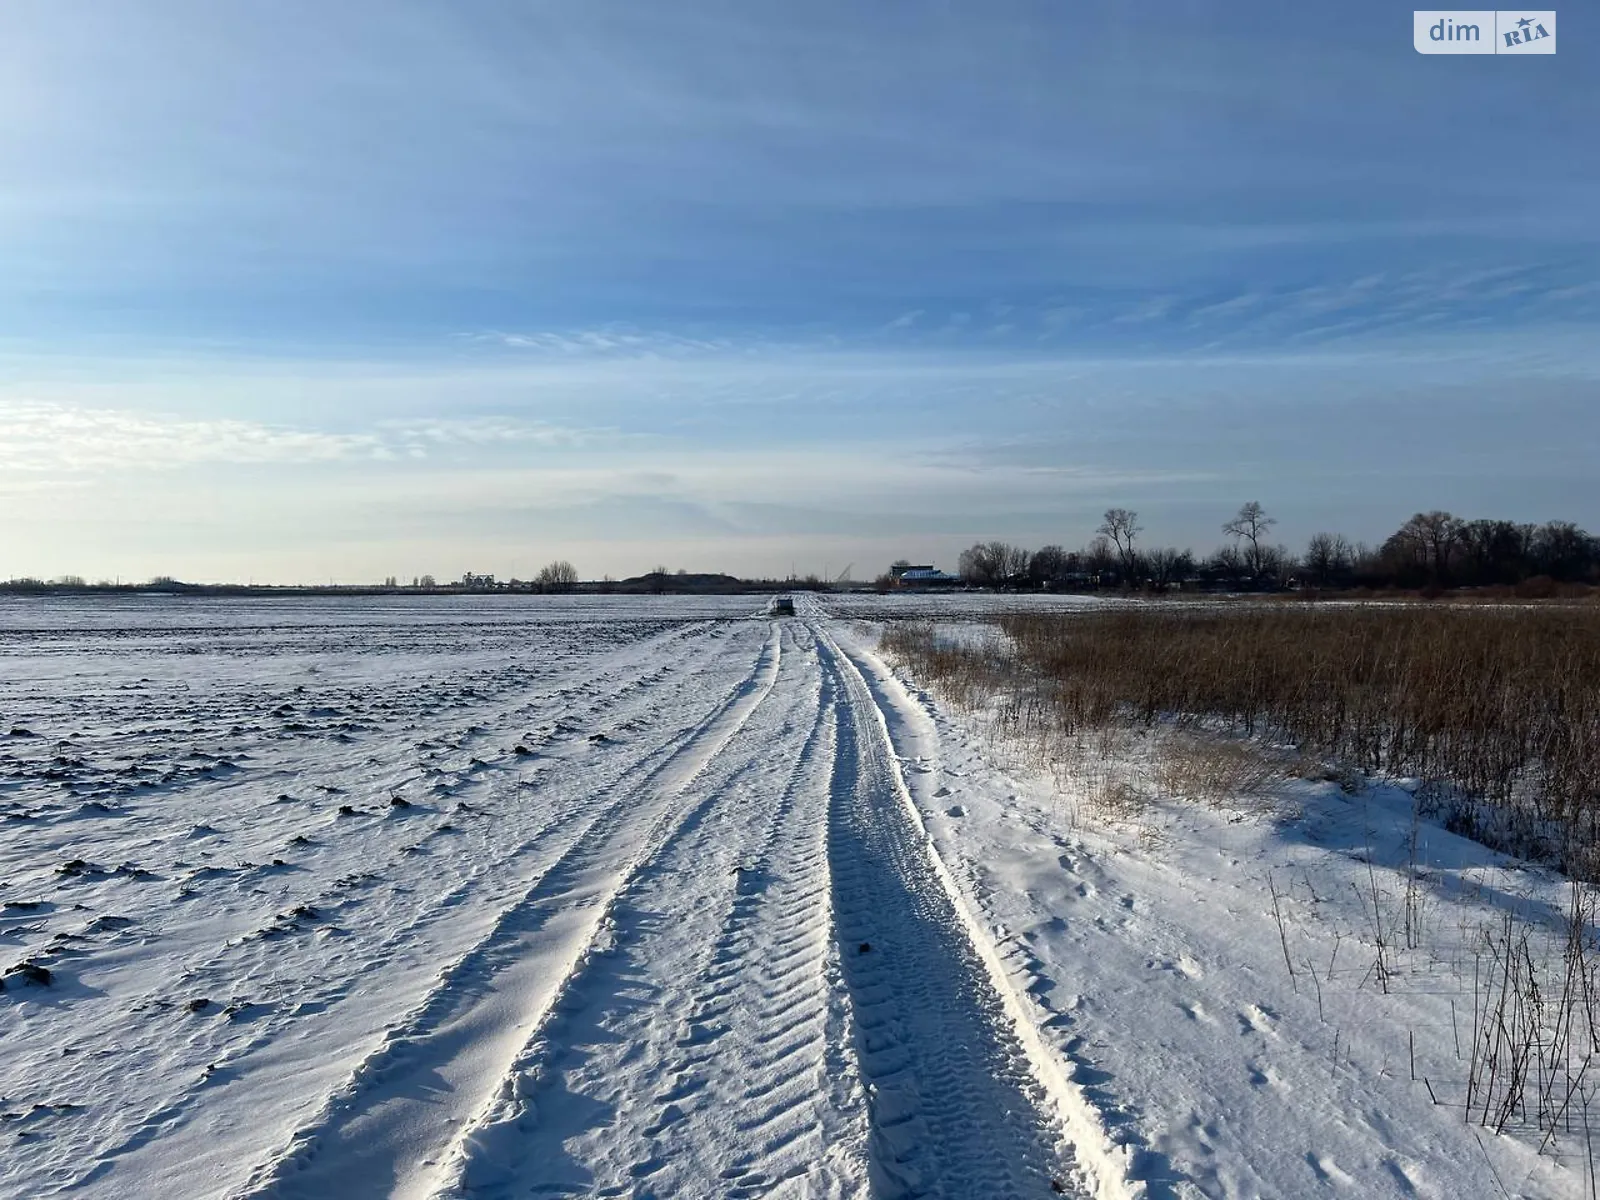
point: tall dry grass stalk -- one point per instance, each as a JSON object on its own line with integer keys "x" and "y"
{"x": 1497, "y": 709}
{"x": 1536, "y": 1027}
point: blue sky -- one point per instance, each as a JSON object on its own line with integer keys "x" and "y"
{"x": 300, "y": 291}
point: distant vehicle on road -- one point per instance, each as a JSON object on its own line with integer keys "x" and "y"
{"x": 781, "y": 606}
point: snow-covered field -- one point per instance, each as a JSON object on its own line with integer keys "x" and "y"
{"x": 661, "y": 897}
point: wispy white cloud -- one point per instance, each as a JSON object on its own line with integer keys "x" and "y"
{"x": 43, "y": 438}
{"x": 1156, "y": 308}
{"x": 608, "y": 342}
{"x": 1375, "y": 304}
{"x": 1234, "y": 306}
{"x": 417, "y": 438}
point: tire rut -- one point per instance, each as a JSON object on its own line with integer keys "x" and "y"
{"x": 955, "y": 1108}
{"x": 728, "y": 928}
{"x": 495, "y": 872}
{"x": 481, "y": 997}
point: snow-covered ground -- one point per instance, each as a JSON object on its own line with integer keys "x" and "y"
{"x": 515, "y": 896}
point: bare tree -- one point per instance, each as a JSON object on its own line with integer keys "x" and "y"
{"x": 1227, "y": 565}
{"x": 1497, "y": 551}
{"x": 1278, "y": 564}
{"x": 1425, "y": 546}
{"x": 974, "y": 566}
{"x": 559, "y": 576}
{"x": 991, "y": 564}
{"x": 1014, "y": 560}
{"x": 1562, "y": 550}
{"x": 977, "y": 565}
{"x": 1168, "y": 565}
{"x": 1328, "y": 558}
{"x": 1251, "y": 525}
{"x": 1366, "y": 563}
{"x": 1099, "y": 557}
{"x": 1049, "y": 564}
{"x": 1122, "y": 527}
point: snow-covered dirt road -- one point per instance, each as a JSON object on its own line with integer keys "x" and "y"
{"x": 485, "y": 899}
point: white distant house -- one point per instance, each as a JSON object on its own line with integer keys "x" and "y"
{"x": 469, "y": 580}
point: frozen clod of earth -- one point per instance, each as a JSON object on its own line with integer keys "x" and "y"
{"x": 27, "y": 973}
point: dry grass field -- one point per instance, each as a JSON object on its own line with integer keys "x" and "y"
{"x": 1496, "y": 709}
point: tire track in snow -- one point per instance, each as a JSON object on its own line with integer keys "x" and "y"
{"x": 693, "y": 1054}
{"x": 230, "y": 1058}
{"x": 957, "y": 1107}
{"x": 772, "y": 989}
{"x": 381, "y": 1132}
{"x": 1104, "y": 1162}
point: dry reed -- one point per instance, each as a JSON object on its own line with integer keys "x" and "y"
{"x": 1497, "y": 710}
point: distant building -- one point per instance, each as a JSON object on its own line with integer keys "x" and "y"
{"x": 922, "y": 575}
{"x": 469, "y": 580}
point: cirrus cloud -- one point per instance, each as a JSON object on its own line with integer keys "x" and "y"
{"x": 48, "y": 438}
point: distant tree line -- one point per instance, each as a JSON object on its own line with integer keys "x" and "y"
{"x": 557, "y": 576}
{"x": 1433, "y": 550}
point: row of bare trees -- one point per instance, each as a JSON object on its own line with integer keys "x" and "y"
{"x": 1116, "y": 557}
{"x": 1431, "y": 550}
{"x": 1442, "y": 549}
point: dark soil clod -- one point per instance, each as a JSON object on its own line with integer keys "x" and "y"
{"x": 29, "y": 972}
